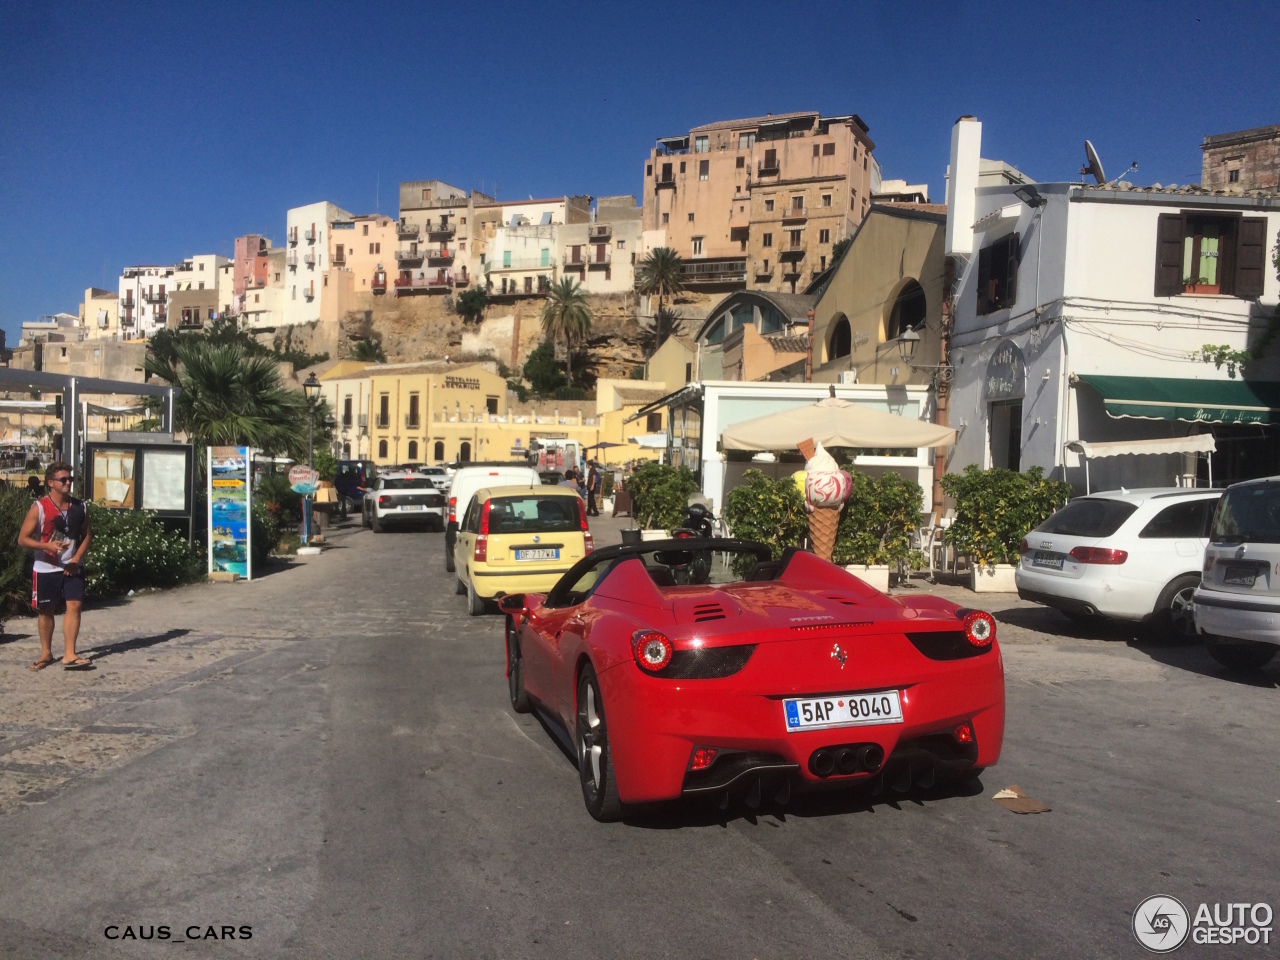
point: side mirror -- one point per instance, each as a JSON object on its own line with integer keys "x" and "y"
{"x": 511, "y": 603}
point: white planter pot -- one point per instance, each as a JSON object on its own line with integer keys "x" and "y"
{"x": 655, "y": 535}
{"x": 874, "y": 575}
{"x": 997, "y": 579}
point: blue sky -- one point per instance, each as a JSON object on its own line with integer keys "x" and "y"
{"x": 143, "y": 133}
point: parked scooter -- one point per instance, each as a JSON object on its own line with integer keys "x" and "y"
{"x": 698, "y": 524}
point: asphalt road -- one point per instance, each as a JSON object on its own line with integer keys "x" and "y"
{"x": 327, "y": 756}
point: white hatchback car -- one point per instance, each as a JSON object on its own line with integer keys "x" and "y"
{"x": 1238, "y": 602}
{"x": 1126, "y": 554}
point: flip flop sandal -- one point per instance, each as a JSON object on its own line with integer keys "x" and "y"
{"x": 41, "y": 664}
{"x": 79, "y": 663}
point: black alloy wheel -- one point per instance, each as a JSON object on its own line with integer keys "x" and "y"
{"x": 515, "y": 670}
{"x": 595, "y": 765}
{"x": 1239, "y": 655}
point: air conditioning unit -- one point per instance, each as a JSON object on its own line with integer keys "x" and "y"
{"x": 849, "y": 376}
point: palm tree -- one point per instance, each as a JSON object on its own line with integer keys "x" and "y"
{"x": 471, "y": 303}
{"x": 663, "y": 324}
{"x": 370, "y": 351}
{"x": 231, "y": 399}
{"x": 659, "y": 275}
{"x": 567, "y": 315}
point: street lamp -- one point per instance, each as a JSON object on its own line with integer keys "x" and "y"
{"x": 908, "y": 340}
{"x": 311, "y": 390}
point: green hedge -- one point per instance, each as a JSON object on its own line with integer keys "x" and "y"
{"x": 878, "y": 519}
{"x": 996, "y": 508}
{"x": 767, "y": 510}
{"x": 132, "y": 550}
{"x": 15, "y": 567}
{"x": 657, "y": 494}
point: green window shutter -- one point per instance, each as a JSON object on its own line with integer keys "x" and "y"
{"x": 546, "y": 257}
{"x": 506, "y": 258}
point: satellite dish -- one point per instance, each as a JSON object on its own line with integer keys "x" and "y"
{"x": 1094, "y": 166}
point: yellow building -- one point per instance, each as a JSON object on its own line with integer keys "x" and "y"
{"x": 440, "y": 412}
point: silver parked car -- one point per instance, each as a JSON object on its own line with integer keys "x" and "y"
{"x": 1237, "y": 605}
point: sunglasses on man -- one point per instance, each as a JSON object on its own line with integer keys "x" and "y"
{"x": 63, "y": 479}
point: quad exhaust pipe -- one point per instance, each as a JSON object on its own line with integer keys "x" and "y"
{"x": 845, "y": 761}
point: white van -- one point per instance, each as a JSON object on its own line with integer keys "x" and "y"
{"x": 476, "y": 476}
{"x": 1238, "y": 600}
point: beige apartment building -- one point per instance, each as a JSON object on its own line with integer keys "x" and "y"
{"x": 364, "y": 247}
{"x": 100, "y": 314}
{"x": 432, "y": 254}
{"x": 760, "y": 202}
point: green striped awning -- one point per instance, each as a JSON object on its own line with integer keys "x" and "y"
{"x": 1195, "y": 401}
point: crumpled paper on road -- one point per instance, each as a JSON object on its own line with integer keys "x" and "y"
{"x": 1013, "y": 799}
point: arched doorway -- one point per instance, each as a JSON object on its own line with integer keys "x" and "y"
{"x": 908, "y": 310}
{"x": 437, "y": 454}
{"x": 464, "y": 452}
{"x": 382, "y": 449}
{"x": 840, "y": 342}
{"x": 413, "y": 450}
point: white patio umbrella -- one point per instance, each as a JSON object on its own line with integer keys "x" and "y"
{"x": 834, "y": 423}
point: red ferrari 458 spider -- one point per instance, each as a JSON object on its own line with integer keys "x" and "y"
{"x": 703, "y": 667}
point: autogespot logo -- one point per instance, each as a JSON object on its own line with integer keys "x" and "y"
{"x": 1161, "y": 923}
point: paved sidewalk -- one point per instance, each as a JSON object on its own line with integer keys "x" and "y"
{"x": 59, "y": 725}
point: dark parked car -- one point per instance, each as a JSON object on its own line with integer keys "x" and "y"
{"x": 352, "y": 479}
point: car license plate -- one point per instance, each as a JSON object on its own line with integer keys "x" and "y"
{"x": 843, "y": 710}
{"x": 412, "y": 506}
{"x": 1240, "y": 576}
{"x": 543, "y": 553}
{"x": 1051, "y": 560}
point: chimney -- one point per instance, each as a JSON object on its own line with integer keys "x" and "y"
{"x": 962, "y": 181}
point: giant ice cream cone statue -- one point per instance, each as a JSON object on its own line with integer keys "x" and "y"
{"x": 826, "y": 488}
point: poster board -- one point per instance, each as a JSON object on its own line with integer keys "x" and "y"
{"x": 230, "y": 495}
{"x": 137, "y": 475}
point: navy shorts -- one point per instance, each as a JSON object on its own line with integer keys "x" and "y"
{"x": 52, "y": 590}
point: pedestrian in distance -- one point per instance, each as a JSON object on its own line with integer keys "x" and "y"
{"x": 593, "y": 489}
{"x": 571, "y": 481}
{"x": 34, "y": 486}
{"x": 56, "y": 529}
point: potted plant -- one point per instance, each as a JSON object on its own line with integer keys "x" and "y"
{"x": 875, "y": 528}
{"x": 657, "y": 494}
{"x": 994, "y": 510}
{"x": 1200, "y": 285}
{"x": 766, "y": 510}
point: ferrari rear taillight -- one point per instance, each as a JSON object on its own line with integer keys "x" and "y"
{"x": 702, "y": 758}
{"x": 651, "y": 649}
{"x": 481, "y": 553}
{"x": 979, "y": 628}
{"x": 453, "y": 504}
{"x": 963, "y": 733}
{"x": 1104, "y": 555}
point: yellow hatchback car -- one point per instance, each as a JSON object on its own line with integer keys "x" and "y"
{"x": 518, "y": 540}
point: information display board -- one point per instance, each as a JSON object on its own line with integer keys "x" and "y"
{"x": 230, "y": 493}
{"x": 130, "y": 475}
